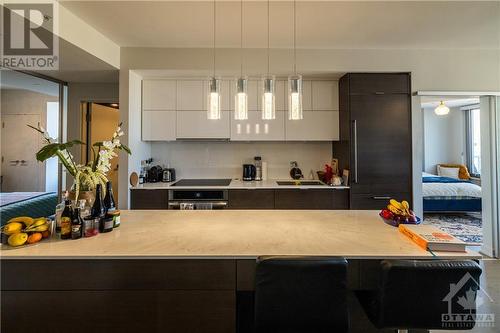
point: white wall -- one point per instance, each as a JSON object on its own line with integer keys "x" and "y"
{"x": 225, "y": 159}
{"x": 444, "y": 138}
{"x": 130, "y": 116}
{"x": 20, "y": 101}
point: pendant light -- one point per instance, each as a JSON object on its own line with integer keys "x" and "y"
{"x": 442, "y": 109}
{"x": 241, "y": 97}
{"x": 213, "y": 104}
{"x": 268, "y": 104}
{"x": 295, "y": 80}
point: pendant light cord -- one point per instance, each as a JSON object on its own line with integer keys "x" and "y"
{"x": 295, "y": 37}
{"x": 268, "y": 34}
{"x": 241, "y": 38}
{"x": 214, "y": 33}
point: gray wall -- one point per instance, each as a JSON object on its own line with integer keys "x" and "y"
{"x": 444, "y": 138}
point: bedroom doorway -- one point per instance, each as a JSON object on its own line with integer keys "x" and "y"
{"x": 456, "y": 164}
{"x": 451, "y": 178}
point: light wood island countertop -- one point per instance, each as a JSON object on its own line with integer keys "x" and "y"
{"x": 239, "y": 234}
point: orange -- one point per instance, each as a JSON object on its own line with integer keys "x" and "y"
{"x": 46, "y": 234}
{"x": 34, "y": 237}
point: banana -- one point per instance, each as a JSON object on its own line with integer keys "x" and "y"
{"x": 406, "y": 207}
{"x": 395, "y": 210}
{"x": 22, "y": 219}
{"x": 396, "y": 204}
{"x": 40, "y": 228}
{"x": 37, "y": 223}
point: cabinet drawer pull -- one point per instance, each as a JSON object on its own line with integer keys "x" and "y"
{"x": 381, "y": 198}
{"x": 379, "y": 93}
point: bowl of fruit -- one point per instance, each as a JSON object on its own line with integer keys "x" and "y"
{"x": 24, "y": 230}
{"x": 398, "y": 213}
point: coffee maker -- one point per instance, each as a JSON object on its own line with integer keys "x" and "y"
{"x": 248, "y": 172}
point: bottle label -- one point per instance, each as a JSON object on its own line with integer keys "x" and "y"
{"x": 76, "y": 231}
{"x": 65, "y": 225}
{"x": 108, "y": 224}
{"x": 116, "y": 221}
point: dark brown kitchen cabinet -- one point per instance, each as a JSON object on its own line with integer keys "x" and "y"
{"x": 148, "y": 199}
{"x": 311, "y": 199}
{"x": 251, "y": 199}
{"x": 376, "y": 142}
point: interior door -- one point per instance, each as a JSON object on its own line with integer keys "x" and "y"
{"x": 380, "y": 133}
{"x": 103, "y": 122}
{"x": 20, "y": 170}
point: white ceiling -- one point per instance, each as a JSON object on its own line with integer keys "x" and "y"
{"x": 433, "y": 102}
{"x": 15, "y": 80}
{"x": 320, "y": 24}
{"x": 77, "y": 65}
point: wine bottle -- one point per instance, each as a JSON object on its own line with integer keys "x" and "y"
{"x": 76, "y": 224}
{"x": 98, "y": 211}
{"x": 66, "y": 217}
{"x": 109, "y": 200}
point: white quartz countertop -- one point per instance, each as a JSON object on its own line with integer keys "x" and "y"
{"x": 240, "y": 184}
{"x": 230, "y": 234}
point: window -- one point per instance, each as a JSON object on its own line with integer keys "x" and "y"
{"x": 473, "y": 124}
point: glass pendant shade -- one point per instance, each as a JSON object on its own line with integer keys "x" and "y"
{"x": 213, "y": 102}
{"x": 241, "y": 99}
{"x": 268, "y": 102}
{"x": 295, "y": 97}
{"x": 442, "y": 109}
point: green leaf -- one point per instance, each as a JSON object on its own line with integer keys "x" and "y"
{"x": 125, "y": 148}
{"x": 98, "y": 144}
{"x": 51, "y": 149}
{"x": 35, "y": 128}
{"x": 47, "y": 152}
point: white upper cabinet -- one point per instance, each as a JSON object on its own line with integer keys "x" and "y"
{"x": 191, "y": 95}
{"x": 316, "y": 126}
{"x": 254, "y": 97}
{"x": 281, "y": 95}
{"x": 195, "y": 125}
{"x": 306, "y": 95}
{"x": 325, "y": 95}
{"x": 257, "y": 129}
{"x": 176, "y": 109}
{"x": 159, "y": 94}
{"x": 158, "y": 125}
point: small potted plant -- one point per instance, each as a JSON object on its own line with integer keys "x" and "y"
{"x": 86, "y": 177}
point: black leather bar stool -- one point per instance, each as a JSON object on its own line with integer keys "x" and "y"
{"x": 423, "y": 294}
{"x": 295, "y": 295}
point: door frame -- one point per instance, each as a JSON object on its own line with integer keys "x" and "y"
{"x": 490, "y": 154}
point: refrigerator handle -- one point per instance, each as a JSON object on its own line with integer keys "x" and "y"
{"x": 355, "y": 137}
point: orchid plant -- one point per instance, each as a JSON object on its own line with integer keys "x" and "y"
{"x": 89, "y": 175}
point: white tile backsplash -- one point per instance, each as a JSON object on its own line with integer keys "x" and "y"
{"x": 225, "y": 159}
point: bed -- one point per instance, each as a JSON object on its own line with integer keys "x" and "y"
{"x": 444, "y": 194}
{"x": 33, "y": 204}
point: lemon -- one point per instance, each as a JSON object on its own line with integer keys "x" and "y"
{"x": 18, "y": 239}
{"x": 12, "y": 228}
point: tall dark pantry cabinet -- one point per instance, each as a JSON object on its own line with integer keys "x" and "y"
{"x": 375, "y": 137}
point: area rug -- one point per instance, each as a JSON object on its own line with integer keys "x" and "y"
{"x": 464, "y": 226}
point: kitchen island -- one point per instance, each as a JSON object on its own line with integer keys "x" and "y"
{"x": 184, "y": 271}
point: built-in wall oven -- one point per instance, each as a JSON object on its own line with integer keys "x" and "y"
{"x": 198, "y": 194}
{"x": 197, "y": 199}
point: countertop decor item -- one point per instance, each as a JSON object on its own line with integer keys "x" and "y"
{"x": 86, "y": 177}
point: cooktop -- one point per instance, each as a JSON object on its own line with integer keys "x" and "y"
{"x": 202, "y": 182}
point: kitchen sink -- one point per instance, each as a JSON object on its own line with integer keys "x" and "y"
{"x": 300, "y": 183}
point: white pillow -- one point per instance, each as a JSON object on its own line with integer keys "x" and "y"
{"x": 448, "y": 172}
